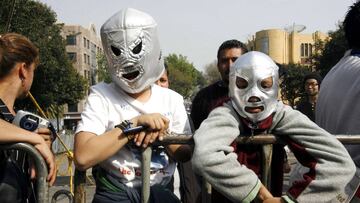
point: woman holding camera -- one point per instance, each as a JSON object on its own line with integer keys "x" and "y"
{"x": 18, "y": 60}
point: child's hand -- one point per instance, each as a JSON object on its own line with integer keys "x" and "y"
{"x": 274, "y": 200}
{"x": 263, "y": 194}
{"x": 156, "y": 127}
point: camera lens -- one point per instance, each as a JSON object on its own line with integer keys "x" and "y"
{"x": 28, "y": 124}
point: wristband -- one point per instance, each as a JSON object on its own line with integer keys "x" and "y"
{"x": 129, "y": 131}
{"x": 288, "y": 199}
{"x": 125, "y": 126}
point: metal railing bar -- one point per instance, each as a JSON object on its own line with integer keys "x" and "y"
{"x": 42, "y": 191}
{"x": 187, "y": 139}
{"x": 257, "y": 139}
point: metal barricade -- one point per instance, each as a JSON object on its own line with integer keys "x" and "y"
{"x": 80, "y": 182}
{"x": 264, "y": 139}
{"x": 42, "y": 190}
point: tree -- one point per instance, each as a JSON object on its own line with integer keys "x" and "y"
{"x": 102, "y": 72}
{"x": 56, "y": 82}
{"x": 332, "y": 52}
{"x": 211, "y": 73}
{"x": 184, "y": 78}
{"x": 291, "y": 82}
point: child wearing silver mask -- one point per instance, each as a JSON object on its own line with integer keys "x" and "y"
{"x": 105, "y": 136}
{"x": 234, "y": 169}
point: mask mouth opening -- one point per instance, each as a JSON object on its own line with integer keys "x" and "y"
{"x": 254, "y": 109}
{"x": 132, "y": 74}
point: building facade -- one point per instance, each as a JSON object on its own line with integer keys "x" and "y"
{"x": 286, "y": 46}
{"x": 82, "y": 47}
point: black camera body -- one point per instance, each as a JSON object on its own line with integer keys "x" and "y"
{"x": 31, "y": 122}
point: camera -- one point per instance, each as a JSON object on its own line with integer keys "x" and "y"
{"x": 31, "y": 122}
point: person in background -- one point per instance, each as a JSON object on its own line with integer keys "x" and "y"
{"x": 164, "y": 79}
{"x": 311, "y": 83}
{"x": 188, "y": 190}
{"x": 106, "y": 137}
{"x": 306, "y": 106}
{"x": 235, "y": 169}
{"x": 18, "y": 61}
{"x": 215, "y": 94}
{"x": 338, "y": 106}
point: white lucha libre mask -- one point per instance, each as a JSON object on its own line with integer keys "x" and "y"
{"x": 132, "y": 50}
{"x": 253, "y": 86}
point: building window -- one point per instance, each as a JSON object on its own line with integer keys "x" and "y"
{"x": 85, "y": 58}
{"x": 84, "y": 42}
{"x": 88, "y": 59}
{"x": 306, "y": 53}
{"x": 88, "y": 44}
{"x": 71, "y": 40}
{"x": 72, "y": 56}
{"x": 72, "y": 108}
{"x": 306, "y": 50}
{"x": 302, "y": 51}
{"x": 264, "y": 45}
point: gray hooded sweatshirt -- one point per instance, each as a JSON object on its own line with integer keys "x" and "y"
{"x": 330, "y": 166}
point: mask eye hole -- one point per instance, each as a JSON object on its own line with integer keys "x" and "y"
{"x": 267, "y": 83}
{"x": 241, "y": 83}
{"x": 116, "y": 51}
{"x": 137, "y": 49}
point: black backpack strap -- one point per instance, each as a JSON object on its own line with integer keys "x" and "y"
{"x": 5, "y": 113}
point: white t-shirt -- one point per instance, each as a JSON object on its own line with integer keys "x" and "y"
{"x": 107, "y": 106}
{"x": 338, "y": 105}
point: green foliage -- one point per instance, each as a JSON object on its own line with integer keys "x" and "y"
{"x": 56, "y": 82}
{"x": 211, "y": 73}
{"x": 184, "y": 78}
{"x": 102, "y": 72}
{"x": 332, "y": 52}
{"x": 291, "y": 85}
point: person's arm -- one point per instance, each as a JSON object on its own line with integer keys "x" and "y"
{"x": 11, "y": 134}
{"x": 91, "y": 149}
{"x": 180, "y": 153}
{"x": 214, "y": 159}
{"x": 330, "y": 166}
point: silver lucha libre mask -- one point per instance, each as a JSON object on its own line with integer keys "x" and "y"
{"x": 253, "y": 86}
{"x": 132, "y": 49}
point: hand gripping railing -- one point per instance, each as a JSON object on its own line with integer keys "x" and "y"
{"x": 264, "y": 139}
{"x": 42, "y": 190}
